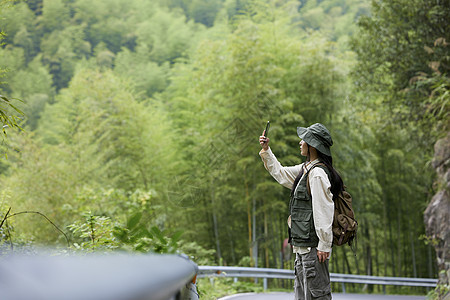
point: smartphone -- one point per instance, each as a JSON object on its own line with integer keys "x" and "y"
{"x": 267, "y": 129}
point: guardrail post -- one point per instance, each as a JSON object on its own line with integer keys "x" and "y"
{"x": 343, "y": 287}
{"x": 235, "y": 279}
{"x": 265, "y": 283}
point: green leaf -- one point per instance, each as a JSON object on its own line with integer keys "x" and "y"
{"x": 176, "y": 236}
{"x": 16, "y": 109}
{"x": 134, "y": 220}
{"x": 158, "y": 234}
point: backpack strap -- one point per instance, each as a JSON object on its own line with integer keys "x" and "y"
{"x": 308, "y": 187}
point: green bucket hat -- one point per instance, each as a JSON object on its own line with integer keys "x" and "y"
{"x": 317, "y": 136}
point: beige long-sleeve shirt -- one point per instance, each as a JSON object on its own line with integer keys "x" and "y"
{"x": 322, "y": 198}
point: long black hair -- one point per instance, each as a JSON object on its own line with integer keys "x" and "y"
{"x": 337, "y": 185}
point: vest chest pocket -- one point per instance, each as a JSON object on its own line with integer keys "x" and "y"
{"x": 301, "y": 199}
{"x": 300, "y": 220}
{"x": 300, "y": 191}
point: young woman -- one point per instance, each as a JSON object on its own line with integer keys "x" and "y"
{"x": 311, "y": 208}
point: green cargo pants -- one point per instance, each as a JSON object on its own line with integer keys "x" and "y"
{"x": 312, "y": 278}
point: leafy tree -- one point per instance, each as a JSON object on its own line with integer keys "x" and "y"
{"x": 24, "y": 40}
{"x": 335, "y": 18}
{"x": 403, "y": 56}
{"x": 393, "y": 47}
{"x": 112, "y": 22}
{"x": 15, "y": 17}
{"x": 34, "y": 84}
{"x": 13, "y": 58}
{"x": 55, "y": 15}
{"x": 9, "y": 113}
{"x": 203, "y": 11}
{"x": 167, "y": 35}
{"x": 147, "y": 75}
{"x": 103, "y": 57}
{"x": 105, "y": 111}
{"x": 60, "y": 51}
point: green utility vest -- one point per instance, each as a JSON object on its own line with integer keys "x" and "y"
{"x": 303, "y": 232}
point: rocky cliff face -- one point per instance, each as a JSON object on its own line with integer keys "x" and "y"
{"x": 437, "y": 214}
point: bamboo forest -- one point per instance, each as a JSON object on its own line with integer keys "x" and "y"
{"x": 133, "y": 126}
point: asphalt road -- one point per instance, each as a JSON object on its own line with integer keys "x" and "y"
{"x": 290, "y": 296}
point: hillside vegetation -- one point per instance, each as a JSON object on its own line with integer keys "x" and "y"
{"x": 143, "y": 117}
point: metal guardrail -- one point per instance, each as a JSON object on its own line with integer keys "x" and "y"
{"x": 265, "y": 273}
{"x": 95, "y": 277}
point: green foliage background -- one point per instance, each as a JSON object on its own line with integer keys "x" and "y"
{"x": 143, "y": 118}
